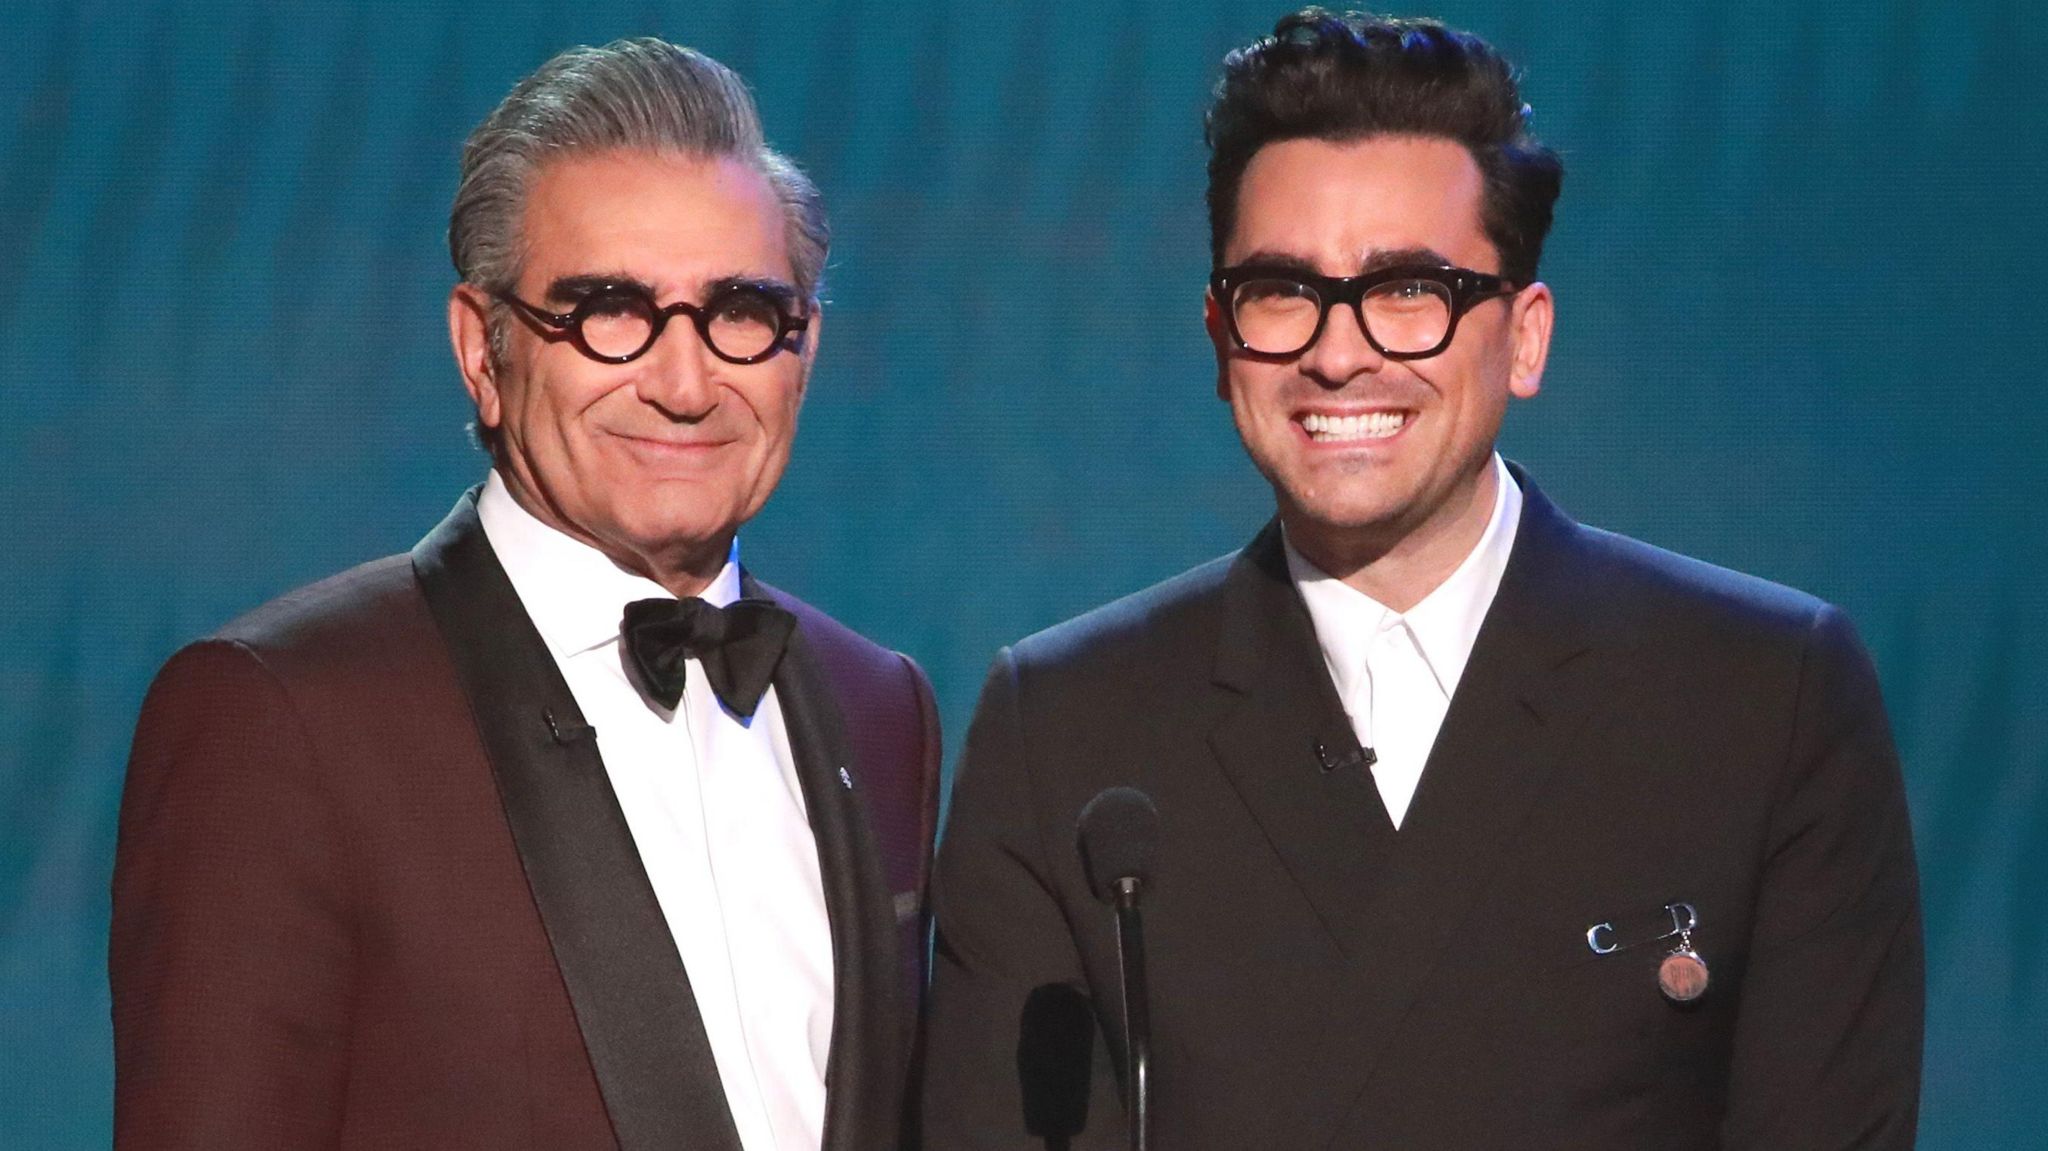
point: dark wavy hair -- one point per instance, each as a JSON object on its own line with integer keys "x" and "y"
{"x": 1323, "y": 76}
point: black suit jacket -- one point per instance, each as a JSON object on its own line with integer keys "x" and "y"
{"x": 373, "y": 888}
{"x": 1633, "y": 728}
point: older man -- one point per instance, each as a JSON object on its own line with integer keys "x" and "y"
{"x": 562, "y": 830}
{"x": 1477, "y": 828}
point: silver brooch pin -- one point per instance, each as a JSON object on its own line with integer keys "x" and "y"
{"x": 1682, "y": 975}
{"x": 845, "y": 779}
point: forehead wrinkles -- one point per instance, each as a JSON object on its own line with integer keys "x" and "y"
{"x": 674, "y": 220}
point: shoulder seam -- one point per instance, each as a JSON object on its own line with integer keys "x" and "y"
{"x": 1801, "y": 685}
{"x": 318, "y": 761}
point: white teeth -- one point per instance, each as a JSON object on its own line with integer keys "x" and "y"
{"x": 1370, "y": 426}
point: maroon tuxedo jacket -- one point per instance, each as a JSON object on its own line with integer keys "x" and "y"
{"x": 373, "y": 888}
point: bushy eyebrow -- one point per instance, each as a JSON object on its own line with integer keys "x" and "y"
{"x": 781, "y": 290}
{"x": 1279, "y": 261}
{"x": 1379, "y": 259}
{"x": 572, "y": 290}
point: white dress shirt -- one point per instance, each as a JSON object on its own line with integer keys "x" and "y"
{"x": 1396, "y": 671}
{"x": 717, "y": 813}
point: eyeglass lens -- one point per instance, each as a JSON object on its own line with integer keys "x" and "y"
{"x": 1278, "y": 316}
{"x": 739, "y": 323}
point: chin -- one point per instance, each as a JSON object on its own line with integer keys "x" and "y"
{"x": 657, "y": 529}
{"x": 1341, "y": 514}
{"x": 1350, "y": 519}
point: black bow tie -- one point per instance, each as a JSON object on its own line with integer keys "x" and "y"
{"x": 739, "y": 647}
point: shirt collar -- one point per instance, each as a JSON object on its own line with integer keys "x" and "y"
{"x": 575, "y": 595}
{"x": 1445, "y": 624}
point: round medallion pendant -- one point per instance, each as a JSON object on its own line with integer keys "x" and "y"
{"x": 1682, "y": 977}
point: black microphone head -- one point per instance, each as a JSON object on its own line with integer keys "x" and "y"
{"x": 1118, "y": 833}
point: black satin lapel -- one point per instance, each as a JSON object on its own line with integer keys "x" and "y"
{"x": 864, "y": 1074}
{"x": 625, "y": 978}
{"x": 1535, "y": 678}
{"x": 1327, "y": 824}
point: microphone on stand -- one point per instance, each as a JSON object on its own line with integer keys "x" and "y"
{"x": 1118, "y": 832}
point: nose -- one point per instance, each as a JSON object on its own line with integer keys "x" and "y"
{"x": 1341, "y": 353}
{"x": 676, "y": 374}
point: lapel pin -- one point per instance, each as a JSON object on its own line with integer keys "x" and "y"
{"x": 1682, "y": 975}
{"x": 845, "y": 779}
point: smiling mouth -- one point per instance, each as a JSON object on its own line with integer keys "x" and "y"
{"x": 661, "y": 444}
{"x": 1328, "y": 429}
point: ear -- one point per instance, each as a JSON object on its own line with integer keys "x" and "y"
{"x": 1534, "y": 311}
{"x": 809, "y": 352}
{"x": 1219, "y": 341}
{"x": 469, "y": 333}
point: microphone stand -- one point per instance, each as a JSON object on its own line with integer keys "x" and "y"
{"x": 1130, "y": 949}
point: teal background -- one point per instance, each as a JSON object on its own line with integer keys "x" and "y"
{"x": 1798, "y": 264}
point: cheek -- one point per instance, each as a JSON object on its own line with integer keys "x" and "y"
{"x": 1480, "y": 370}
{"x": 552, "y": 402}
{"x": 775, "y": 404}
{"x": 787, "y": 411}
{"x": 1241, "y": 394}
{"x": 1468, "y": 383}
{"x": 1253, "y": 391}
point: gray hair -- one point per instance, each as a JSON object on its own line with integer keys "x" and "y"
{"x": 642, "y": 94}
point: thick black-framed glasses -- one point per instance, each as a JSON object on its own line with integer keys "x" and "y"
{"x": 1407, "y": 313}
{"x": 742, "y": 323}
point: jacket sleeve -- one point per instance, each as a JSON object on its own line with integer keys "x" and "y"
{"x": 1014, "y": 1055}
{"x": 1827, "y": 1041}
{"x": 931, "y": 763}
{"x": 230, "y": 954}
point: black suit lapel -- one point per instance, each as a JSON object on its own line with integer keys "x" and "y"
{"x": 1284, "y": 742}
{"x": 624, "y": 976}
{"x": 1532, "y": 682}
{"x": 863, "y": 1075}
{"x": 1392, "y": 901}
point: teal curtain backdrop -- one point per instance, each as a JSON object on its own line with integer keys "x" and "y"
{"x": 1799, "y": 265}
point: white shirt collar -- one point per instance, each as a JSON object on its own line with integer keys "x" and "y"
{"x": 575, "y": 595}
{"x": 1445, "y": 624}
